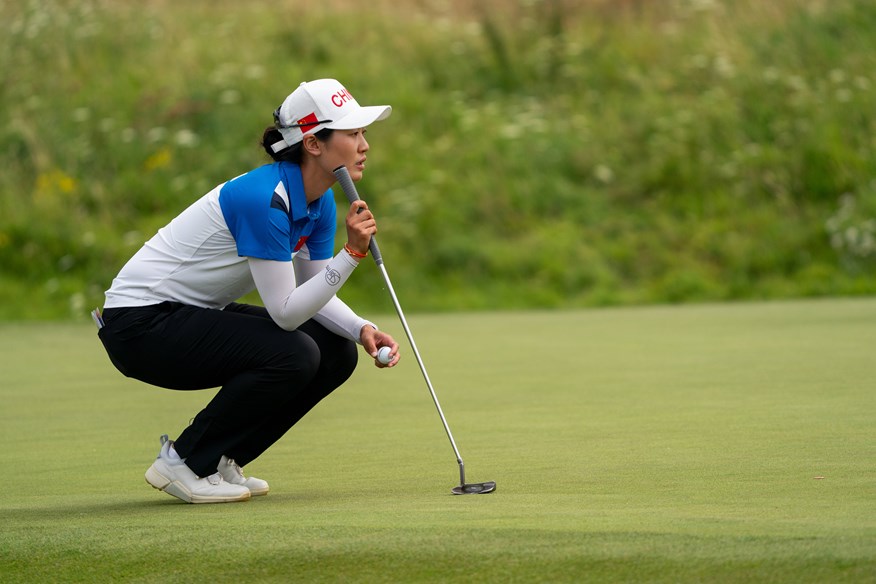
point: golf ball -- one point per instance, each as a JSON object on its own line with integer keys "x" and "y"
{"x": 383, "y": 355}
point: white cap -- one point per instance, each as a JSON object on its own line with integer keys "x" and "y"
{"x": 323, "y": 103}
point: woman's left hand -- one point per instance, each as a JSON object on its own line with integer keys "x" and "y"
{"x": 373, "y": 340}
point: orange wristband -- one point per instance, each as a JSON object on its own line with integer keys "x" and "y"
{"x": 353, "y": 252}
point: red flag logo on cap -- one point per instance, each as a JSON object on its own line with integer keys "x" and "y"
{"x": 307, "y": 122}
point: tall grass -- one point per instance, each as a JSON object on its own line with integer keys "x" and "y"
{"x": 542, "y": 152}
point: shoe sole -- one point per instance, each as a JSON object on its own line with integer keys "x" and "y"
{"x": 174, "y": 488}
{"x": 258, "y": 492}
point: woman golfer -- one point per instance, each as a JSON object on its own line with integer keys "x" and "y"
{"x": 170, "y": 318}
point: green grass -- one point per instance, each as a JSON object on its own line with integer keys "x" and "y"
{"x": 711, "y": 443}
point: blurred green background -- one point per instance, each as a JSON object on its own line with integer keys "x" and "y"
{"x": 541, "y": 153}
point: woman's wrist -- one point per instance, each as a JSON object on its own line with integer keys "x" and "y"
{"x": 353, "y": 253}
{"x": 367, "y": 327}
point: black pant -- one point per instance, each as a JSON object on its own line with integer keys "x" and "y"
{"x": 269, "y": 377}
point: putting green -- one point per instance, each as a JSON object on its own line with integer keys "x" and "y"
{"x": 715, "y": 443}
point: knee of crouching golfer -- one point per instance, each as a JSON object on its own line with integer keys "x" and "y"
{"x": 346, "y": 359}
{"x": 297, "y": 363}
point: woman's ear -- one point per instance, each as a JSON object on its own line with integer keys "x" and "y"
{"x": 312, "y": 145}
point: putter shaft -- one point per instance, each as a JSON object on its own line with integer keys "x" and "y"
{"x": 352, "y": 194}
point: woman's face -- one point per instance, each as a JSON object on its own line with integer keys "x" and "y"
{"x": 347, "y": 148}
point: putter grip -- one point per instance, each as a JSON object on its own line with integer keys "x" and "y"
{"x": 343, "y": 176}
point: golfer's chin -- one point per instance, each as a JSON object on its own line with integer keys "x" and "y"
{"x": 356, "y": 172}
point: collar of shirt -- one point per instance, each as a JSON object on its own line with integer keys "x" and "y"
{"x": 299, "y": 209}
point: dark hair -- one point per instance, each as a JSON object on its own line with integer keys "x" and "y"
{"x": 292, "y": 153}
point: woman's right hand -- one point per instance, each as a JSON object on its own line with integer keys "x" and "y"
{"x": 360, "y": 226}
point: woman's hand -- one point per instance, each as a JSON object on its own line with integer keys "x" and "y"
{"x": 373, "y": 339}
{"x": 360, "y": 226}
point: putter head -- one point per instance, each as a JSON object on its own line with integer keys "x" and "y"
{"x": 474, "y": 488}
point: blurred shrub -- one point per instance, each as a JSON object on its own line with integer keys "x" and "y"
{"x": 542, "y": 153}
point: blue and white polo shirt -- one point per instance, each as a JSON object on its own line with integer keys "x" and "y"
{"x": 199, "y": 258}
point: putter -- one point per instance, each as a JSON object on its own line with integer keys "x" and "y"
{"x": 464, "y": 488}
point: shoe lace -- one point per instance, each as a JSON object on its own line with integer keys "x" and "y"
{"x": 236, "y": 468}
{"x": 215, "y": 478}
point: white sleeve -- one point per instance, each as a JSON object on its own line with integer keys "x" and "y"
{"x": 340, "y": 319}
{"x": 336, "y": 316}
{"x": 291, "y": 306}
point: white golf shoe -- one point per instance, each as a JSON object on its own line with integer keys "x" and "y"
{"x": 175, "y": 478}
{"x": 232, "y": 473}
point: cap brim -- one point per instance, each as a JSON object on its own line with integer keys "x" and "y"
{"x": 362, "y": 117}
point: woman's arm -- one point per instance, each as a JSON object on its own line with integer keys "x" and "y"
{"x": 290, "y": 305}
{"x": 336, "y": 316}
